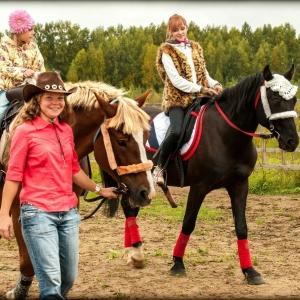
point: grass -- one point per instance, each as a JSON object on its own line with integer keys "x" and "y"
{"x": 113, "y": 254}
{"x": 274, "y": 182}
{"x": 160, "y": 208}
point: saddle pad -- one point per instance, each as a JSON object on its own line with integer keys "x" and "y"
{"x": 158, "y": 130}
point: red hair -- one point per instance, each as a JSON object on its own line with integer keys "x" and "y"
{"x": 175, "y": 22}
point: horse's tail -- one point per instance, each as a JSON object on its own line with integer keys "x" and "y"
{"x": 112, "y": 205}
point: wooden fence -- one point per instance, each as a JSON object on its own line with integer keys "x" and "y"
{"x": 284, "y": 165}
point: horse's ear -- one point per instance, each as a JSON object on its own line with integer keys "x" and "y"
{"x": 289, "y": 75}
{"x": 142, "y": 98}
{"x": 267, "y": 73}
{"x": 109, "y": 110}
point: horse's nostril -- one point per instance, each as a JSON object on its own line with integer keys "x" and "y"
{"x": 144, "y": 197}
{"x": 291, "y": 145}
{"x": 144, "y": 194}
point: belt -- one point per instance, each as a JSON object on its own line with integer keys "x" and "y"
{"x": 26, "y": 203}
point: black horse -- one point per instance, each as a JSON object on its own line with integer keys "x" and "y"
{"x": 226, "y": 156}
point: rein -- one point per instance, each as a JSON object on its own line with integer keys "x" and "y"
{"x": 262, "y": 94}
{"x": 233, "y": 125}
{"x": 118, "y": 191}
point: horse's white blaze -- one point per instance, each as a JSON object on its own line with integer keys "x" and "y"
{"x": 138, "y": 136}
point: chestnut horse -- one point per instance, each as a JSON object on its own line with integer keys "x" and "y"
{"x": 225, "y": 155}
{"x": 103, "y": 114}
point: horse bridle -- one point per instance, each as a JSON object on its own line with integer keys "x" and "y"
{"x": 120, "y": 170}
{"x": 262, "y": 94}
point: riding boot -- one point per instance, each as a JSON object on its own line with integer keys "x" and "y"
{"x": 158, "y": 177}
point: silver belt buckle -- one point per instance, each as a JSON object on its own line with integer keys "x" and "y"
{"x": 26, "y": 203}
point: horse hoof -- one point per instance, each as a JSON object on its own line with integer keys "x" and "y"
{"x": 256, "y": 280}
{"x": 138, "y": 264}
{"x": 135, "y": 257}
{"x": 175, "y": 271}
{"x": 174, "y": 204}
{"x": 10, "y": 295}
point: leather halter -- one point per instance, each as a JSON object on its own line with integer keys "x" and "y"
{"x": 120, "y": 170}
{"x": 263, "y": 96}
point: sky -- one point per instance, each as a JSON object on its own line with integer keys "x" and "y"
{"x": 93, "y": 14}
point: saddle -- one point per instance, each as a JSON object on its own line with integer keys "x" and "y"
{"x": 16, "y": 101}
{"x": 190, "y": 117}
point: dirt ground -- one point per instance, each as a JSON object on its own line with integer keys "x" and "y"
{"x": 211, "y": 259}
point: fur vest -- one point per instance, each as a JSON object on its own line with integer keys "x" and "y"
{"x": 171, "y": 95}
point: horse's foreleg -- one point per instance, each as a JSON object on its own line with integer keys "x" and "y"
{"x": 21, "y": 289}
{"x": 238, "y": 195}
{"x": 132, "y": 240}
{"x": 188, "y": 226}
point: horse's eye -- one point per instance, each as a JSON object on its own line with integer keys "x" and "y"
{"x": 122, "y": 143}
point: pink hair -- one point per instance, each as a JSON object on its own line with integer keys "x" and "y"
{"x": 20, "y": 21}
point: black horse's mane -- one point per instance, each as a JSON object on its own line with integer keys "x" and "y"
{"x": 241, "y": 94}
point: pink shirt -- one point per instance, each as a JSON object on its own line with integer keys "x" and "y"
{"x": 36, "y": 160}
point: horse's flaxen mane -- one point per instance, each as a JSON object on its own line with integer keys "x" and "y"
{"x": 129, "y": 114}
{"x": 84, "y": 96}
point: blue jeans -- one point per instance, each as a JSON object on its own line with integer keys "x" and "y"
{"x": 52, "y": 240}
{"x": 4, "y": 103}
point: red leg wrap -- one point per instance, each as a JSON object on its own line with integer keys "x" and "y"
{"x": 181, "y": 245}
{"x": 244, "y": 253}
{"x": 127, "y": 237}
{"x": 133, "y": 230}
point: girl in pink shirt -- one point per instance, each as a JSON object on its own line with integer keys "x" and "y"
{"x": 44, "y": 161}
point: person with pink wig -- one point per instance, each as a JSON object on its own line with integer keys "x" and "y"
{"x": 20, "y": 56}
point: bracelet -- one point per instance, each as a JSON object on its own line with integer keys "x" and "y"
{"x": 97, "y": 189}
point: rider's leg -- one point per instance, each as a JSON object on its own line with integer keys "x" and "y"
{"x": 176, "y": 115}
{"x": 4, "y": 103}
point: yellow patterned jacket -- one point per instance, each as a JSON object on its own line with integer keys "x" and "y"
{"x": 14, "y": 60}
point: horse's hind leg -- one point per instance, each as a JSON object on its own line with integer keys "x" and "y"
{"x": 21, "y": 289}
{"x": 168, "y": 195}
{"x": 132, "y": 240}
{"x": 238, "y": 195}
{"x": 194, "y": 203}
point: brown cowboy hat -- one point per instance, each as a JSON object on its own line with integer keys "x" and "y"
{"x": 46, "y": 82}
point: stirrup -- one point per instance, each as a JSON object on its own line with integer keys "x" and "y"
{"x": 157, "y": 175}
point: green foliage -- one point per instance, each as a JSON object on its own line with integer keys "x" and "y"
{"x": 150, "y": 75}
{"x": 59, "y": 44}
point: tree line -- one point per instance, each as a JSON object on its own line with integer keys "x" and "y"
{"x": 125, "y": 57}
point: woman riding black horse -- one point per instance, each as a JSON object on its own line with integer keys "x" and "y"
{"x": 225, "y": 155}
